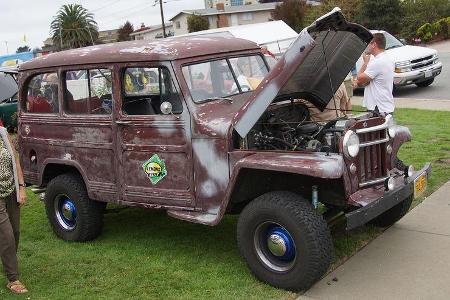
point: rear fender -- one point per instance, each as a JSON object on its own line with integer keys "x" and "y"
{"x": 63, "y": 163}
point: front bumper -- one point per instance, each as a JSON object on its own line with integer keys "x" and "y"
{"x": 402, "y": 79}
{"x": 388, "y": 200}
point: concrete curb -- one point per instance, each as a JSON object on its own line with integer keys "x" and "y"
{"x": 408, "y": 261}
{"x": 426, "y": 104}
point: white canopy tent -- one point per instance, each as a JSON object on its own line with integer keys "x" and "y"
{"x": 277, "y": 36}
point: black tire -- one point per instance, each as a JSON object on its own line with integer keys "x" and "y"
{"x": 72, "y": 215}
{"x": 425, "y": 83}
{"x": 394, "y": 214}
{"x": 306, "y": 229}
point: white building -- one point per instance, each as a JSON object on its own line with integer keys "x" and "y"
{"x": 152, "y": 32}
{"x": 213, "y": 3}
{"x": 225, "y": 16}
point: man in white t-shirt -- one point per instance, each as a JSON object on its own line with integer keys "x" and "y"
{"x": 377, "y": 74}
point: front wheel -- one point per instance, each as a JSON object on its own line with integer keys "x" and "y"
{"x": 72, "y": 215}
{"x": 284, "y": 241}
{"x": 425, "y": 83}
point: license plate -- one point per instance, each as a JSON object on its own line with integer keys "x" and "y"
{"x": 428, "y": 73}
{"x": 420, "y": 185}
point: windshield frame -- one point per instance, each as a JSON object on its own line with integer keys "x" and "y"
{"x": 229, "y": 65}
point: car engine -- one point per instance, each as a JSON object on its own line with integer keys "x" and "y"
{"x": 289, "y": 128}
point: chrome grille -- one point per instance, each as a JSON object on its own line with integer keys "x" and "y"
{"x": 372, "y": 167}
{"x": 422, "y": 62}
{"x": 421, "y": 59}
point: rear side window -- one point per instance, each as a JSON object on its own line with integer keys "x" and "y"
{"x": 42, "y": 94}
{"x": 88, "y": 92}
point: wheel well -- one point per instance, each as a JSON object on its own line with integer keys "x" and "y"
{"x": 252, "y": 183}
{"x": 53, "y": 170}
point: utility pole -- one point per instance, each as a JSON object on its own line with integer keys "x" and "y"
{"x": 162, "y": 18}
{"x": 6, "y": 44}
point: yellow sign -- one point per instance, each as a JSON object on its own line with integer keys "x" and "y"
{"x": 420, "y": 185}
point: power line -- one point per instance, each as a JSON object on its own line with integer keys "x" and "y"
{"x": 104, "y": 6}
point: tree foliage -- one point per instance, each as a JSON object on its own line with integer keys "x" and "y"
{"x": 381, "y": 14}
{"x": 350, "y": 9}
{"x": 23, "y": 49}
{"x": 73, "y": 27}
{"x": 420, "y": 12}
{"x": 124, "y": 32}
{"x": 292, "y": 12}
{"x": 197, "y": 23}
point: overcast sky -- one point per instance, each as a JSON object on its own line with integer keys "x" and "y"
{"x": 32, "y": 18}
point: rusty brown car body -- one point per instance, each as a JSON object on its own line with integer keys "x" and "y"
{"x": 208, "y": 157}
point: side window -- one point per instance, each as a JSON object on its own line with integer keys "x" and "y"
{"x": 42, "y": 94}
{"x": 210, "y": 80}
{"x": 249, "y": 70}
{"x": 145, "y": 89}
{"x": 88, "y": 91}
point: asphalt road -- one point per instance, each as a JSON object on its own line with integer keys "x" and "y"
{"x": 439, "y": 89}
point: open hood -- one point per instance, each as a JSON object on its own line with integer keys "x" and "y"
{"x": 313, "y": 67}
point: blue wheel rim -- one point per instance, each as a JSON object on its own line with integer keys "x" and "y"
{"x": 275, "y": 246}
{"x": 66, "y": 212}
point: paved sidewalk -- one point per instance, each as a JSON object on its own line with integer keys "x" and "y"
{"x": 410, "y": 260}
{"x": 428, "y": 104}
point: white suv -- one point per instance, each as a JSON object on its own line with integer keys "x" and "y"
{"x": 413, "y": 64}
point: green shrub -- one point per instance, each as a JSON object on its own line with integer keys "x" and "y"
{"x": 444, "y": 27}
{"x": 425, "y": 32}
{"x": 419, "y": 12}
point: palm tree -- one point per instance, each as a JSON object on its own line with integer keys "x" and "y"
{"x": 73, "y": 27}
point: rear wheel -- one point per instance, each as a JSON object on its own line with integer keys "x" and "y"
{"x": 425, "y": 83}
{"x": 394, "y": 214}
{"x": 72, "y": 215}
{"x": 284, "y": 241}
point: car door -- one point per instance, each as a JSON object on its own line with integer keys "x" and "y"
{"x": 155, "y": 150}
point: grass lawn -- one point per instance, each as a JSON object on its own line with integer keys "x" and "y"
{"x": 145, "y": 254}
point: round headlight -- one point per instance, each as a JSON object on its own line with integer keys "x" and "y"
{"x": 391, "y": 125}
{"x": 410, "y": 171}
{"x": 351, "y": 143}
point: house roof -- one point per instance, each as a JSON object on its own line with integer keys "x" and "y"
{"x": 150, "y": 29}
{"x": 229, "y": 9}
{"x": 136, "y": 51}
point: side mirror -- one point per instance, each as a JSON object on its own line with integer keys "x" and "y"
{"x": 403, "y": 41}
{"x": 166, "y": 108}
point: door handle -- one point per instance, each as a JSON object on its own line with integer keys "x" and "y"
{"x": 123, "y": 122}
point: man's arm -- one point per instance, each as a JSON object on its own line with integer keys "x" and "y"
{"x": 362, "y": 78}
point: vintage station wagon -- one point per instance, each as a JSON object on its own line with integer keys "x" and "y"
{"x": 200, "y": 127}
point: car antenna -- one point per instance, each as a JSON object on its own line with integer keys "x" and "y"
{"x": 328, "y": 72}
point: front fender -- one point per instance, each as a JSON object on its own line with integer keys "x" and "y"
{"x": 402, "y": 135}
{"x": 313, "y": 164}
{"x": 319, "y": 165}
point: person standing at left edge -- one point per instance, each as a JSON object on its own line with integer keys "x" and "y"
{"x": 12, "y": 197}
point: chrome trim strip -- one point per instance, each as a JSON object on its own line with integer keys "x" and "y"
{"x": 374, "y": 128}
{"x": 372, "y": 182}
{"x": 374, "y": 142}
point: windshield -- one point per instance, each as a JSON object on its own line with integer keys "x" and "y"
{"x": 392, "y": 41}
{"x": 225, "y": 77}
